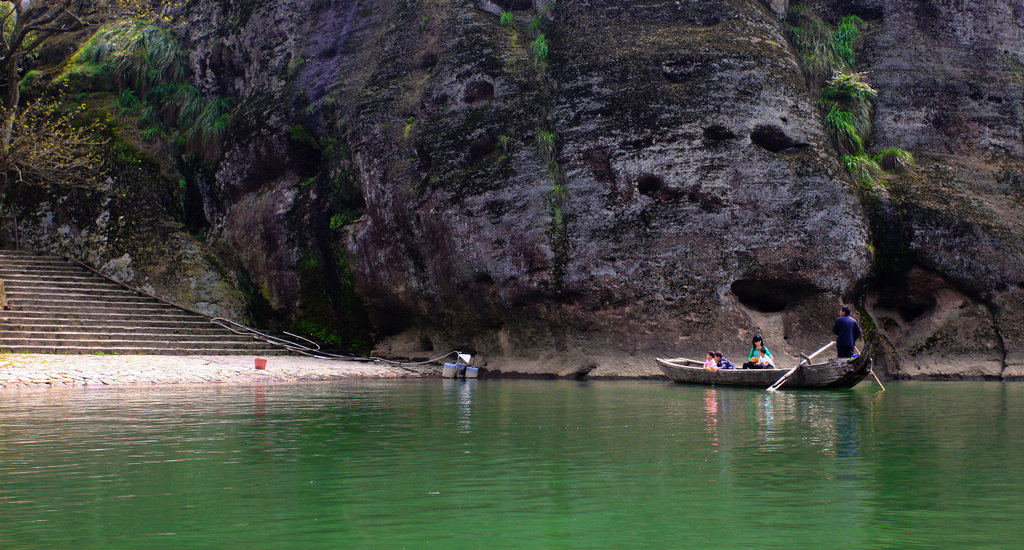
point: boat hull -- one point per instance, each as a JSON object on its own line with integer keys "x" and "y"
{"x": 836, "y": 373}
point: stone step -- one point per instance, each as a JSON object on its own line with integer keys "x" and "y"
{"x": 58, "y": 306}
{"x": 101, "y": 316}
{"x": 78, "y": 294}
{"x": 32, "y": 281}
{"x": 93, "y": 327}
{"x": 9, "y": 252}
{"x": 55, "y": 306}
{"x": 129, "y": 340}
{"x": 12, "y": 271}
{"x": 141, "y": 333}
{"x": 50, "y": 278}
{"x": 140, "y": 350}
{"x": 41, "y": 264}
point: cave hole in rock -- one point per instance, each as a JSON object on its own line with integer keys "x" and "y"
{"x": 478, "y": 91}
{"x": 514, "y": 5}
{"x": 481, "y": 147}
{"x": 427, "y": 61}
{"x": 770, "y": 295}
{"x": 426, "y": 344}
{"x": 649, "y": 185}
{"x": 423, "y": 159}
{"x": 911, "y": 294}
{"x": 717, "y": 132}
{"x": 773, "y": 138}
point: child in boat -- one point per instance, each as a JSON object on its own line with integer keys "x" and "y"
{"x": 764, "y": 360}
{"x": 754, "y": 357}
{"x": 722, "y": 362}
{"x": 710, "y": 364}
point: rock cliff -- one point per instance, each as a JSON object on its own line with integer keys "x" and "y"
{"x": 575, "y": 187}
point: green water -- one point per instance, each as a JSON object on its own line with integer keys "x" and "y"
{"x": 512, "y": 464}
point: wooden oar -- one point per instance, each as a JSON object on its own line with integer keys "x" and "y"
{"x": 872, "y": 371}
{"x": 805, "y": 361}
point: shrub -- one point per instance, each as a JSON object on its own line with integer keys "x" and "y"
{"x": 864, "y": 169}
{"x": 894, "y": 159}
{"x": 851, "y": 93}
{"x": 137, "y": 53}
{"x": 178, "y": 103}
{"x": 823, "y": 51}
{"x": 206, "y": 131}
{"x": 540, "y": 48}
{"x": 506, "y": 19}
{"x": 840, "y": 125}
{"x": 546, "y": 145}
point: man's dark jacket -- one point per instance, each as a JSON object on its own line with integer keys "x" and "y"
{"x": 846, "y": 330}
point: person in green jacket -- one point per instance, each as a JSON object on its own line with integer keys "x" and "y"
{"x": 757, "y": 345}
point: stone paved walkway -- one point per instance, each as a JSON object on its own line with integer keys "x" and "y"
{"x": 26, "y": 370}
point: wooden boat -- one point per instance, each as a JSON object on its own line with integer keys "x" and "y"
{"x": 834, "y": 373}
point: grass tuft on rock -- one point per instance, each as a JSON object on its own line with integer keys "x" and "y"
{"x": 841, "y": 126}
{"x": 894, "y": 159}
{"x": 863, "y": 169}
{"x": 136, "y": 53}
{"x": 849, "y": 92}
{"x": 823, "y": 51}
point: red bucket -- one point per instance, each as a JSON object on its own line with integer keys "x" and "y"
{"x": 261, "y": 364}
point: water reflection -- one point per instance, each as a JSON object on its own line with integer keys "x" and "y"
{"x": 432, "y": 464}
{"x": 461, "y": 393}
{"x": 259, "y": 399}
{"x": 711, "y": 413}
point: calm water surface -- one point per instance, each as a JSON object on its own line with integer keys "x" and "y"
{"x": 512, "y": 464}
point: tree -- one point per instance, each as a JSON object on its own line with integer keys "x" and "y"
{"x": 41, "y": 137}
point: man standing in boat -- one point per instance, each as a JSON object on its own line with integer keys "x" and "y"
{"x": 847, "y": 332}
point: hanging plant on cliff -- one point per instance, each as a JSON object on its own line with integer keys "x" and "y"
{"x": 147, "y": 59}
{"x": 43, "y": 138}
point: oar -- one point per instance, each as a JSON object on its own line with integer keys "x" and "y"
{"x": 872, "y": 372}
{"x": 806, "y": 360}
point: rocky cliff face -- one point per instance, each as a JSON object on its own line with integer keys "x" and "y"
{"x": 589, "y": 184}
{"x": 950, "y": 288}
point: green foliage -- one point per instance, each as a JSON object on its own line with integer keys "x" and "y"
{"x": 408, "y": 127}
{"x": 840, "y": 125}
{"x": 506, "y": 19}
{"x": 546, "y": 145}
{"x": 206, "y": 132}
{"x": 537, "y": 23}
{"x": 539, "y": 47}
{"x": 31, "y": 78}
{"x": 343, "y": 218}
{"x": 129, "y": 100}
{"x": 176, "y": 103}
{"x": 863, "y": 168}
{"x": 894, "y": 159}
{"x": 505, "y": 143}
{"x": 136, "y": 53}
{"x": 149, "y": 63}
{"x": 848, "y": 87}
{"x": 849, "y": 92}
{"x": 823, "y": 51}
{"x": 300, "y": 134}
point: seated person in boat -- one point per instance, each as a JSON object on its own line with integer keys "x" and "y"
{"x": 754, "y": 357}
{"x": 764, "y": 359}
{"x": 722, "y": 362}
{"x": 711, "y": 364}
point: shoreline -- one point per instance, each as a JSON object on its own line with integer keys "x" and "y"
{"x": 26, "y": 370}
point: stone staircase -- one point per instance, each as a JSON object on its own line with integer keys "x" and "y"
{"x": 57, "y": 306}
